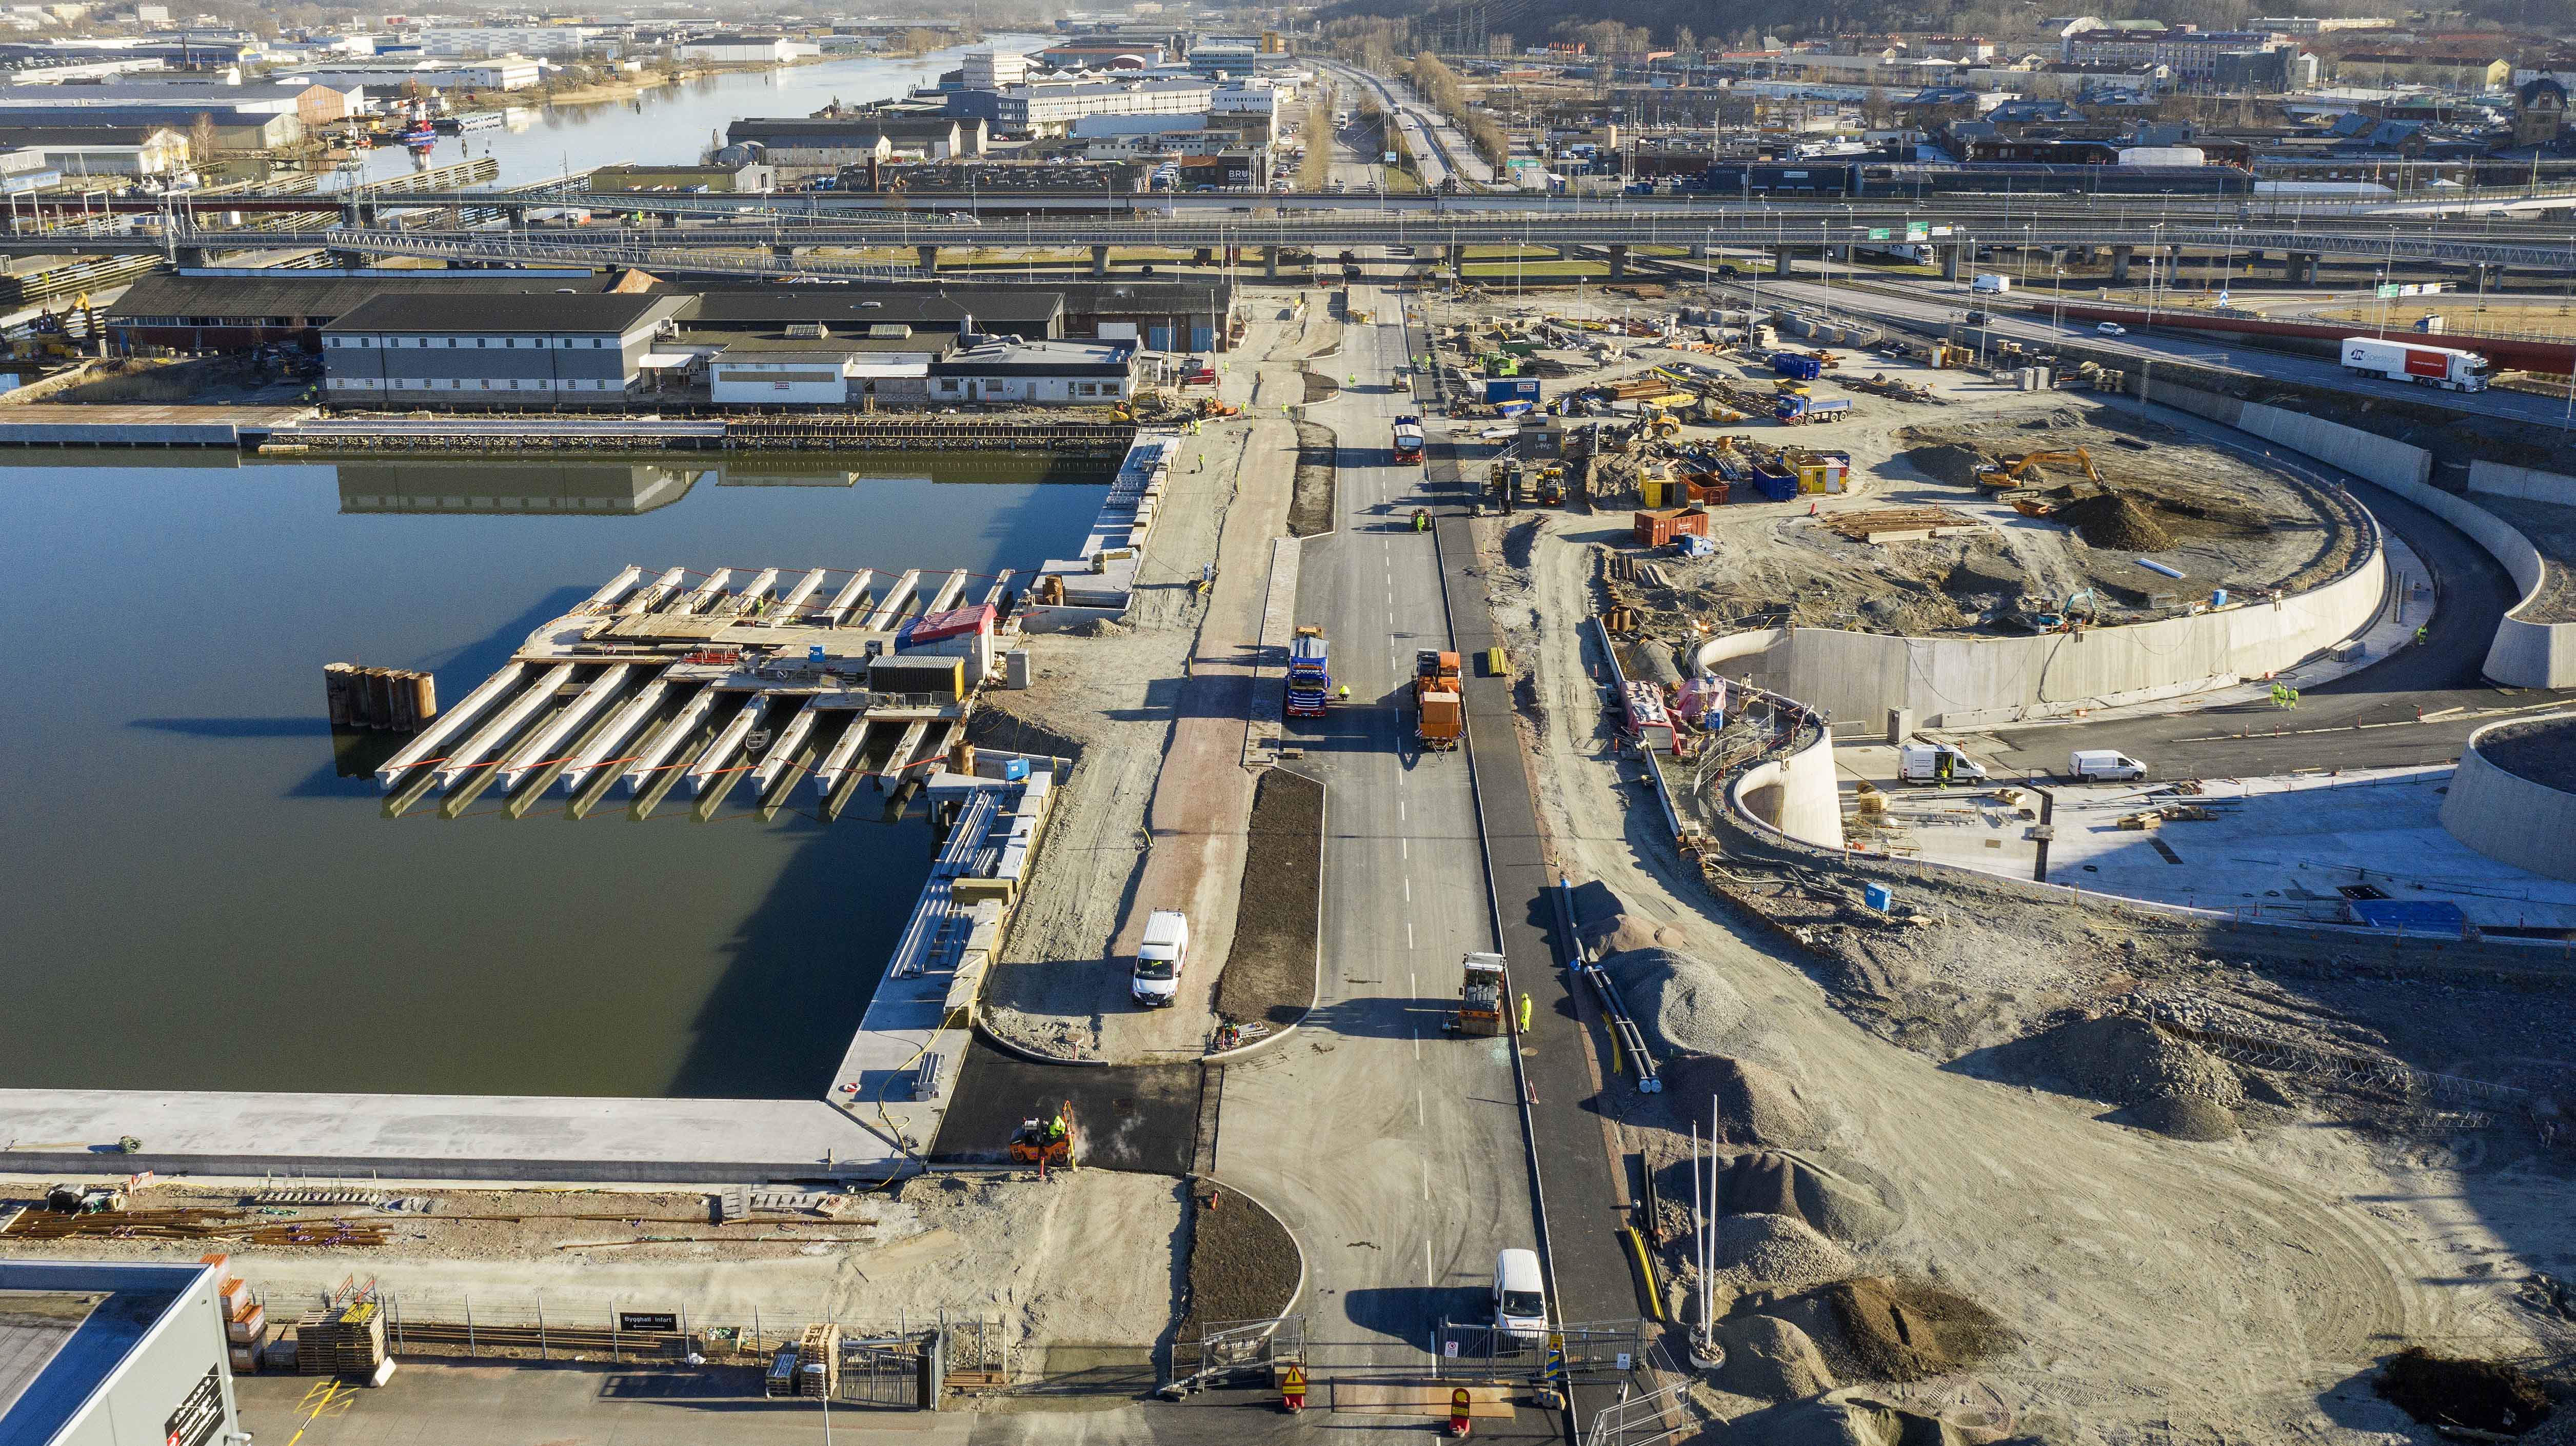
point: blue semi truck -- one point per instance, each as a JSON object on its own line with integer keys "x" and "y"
{"x": 1310, "y": 679}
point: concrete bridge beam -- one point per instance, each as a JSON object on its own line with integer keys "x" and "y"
{"x": 2120, "y": 257}
{"x": 1950, "y": 258}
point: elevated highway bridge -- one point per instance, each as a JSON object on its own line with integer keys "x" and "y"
{"x": 2526, "y": 247}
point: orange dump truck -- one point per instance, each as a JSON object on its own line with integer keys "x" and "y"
{"x": 1439, "y": 718}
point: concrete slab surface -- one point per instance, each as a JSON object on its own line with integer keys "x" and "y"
{"x": 432, "y": 1137}
{"x": 2277, "y": 848}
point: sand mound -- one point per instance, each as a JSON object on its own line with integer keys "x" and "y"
{"x": 2185, "y": 1118}
{"x": 1897, "y": 1330}
{"x": 1768, "y": 1182}
{"x": 2481, "y": 1395}
{"x": 1682, "y": 1002}
{"x": 2112, "y": 519}
{"x": 1755, "y": 1106}
{"x": 1770, "y": 1360}
{"x": 1948, "y": 462}
{"x": 1777, "y": 1252}
{"x": 2126, "y": 1061}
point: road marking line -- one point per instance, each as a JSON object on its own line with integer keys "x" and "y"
{"x": 1426, "y": 1250}
{"x": 1408, "y": 888}
{"x": 1408, "y": 933}
{"x": 1400, "y": 813}
{"x": 1426, "y": 1194}
{"x": 1422, "y": 1117}
{"x": 1404, "y": 845}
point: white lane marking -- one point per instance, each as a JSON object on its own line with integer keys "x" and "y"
{"x": 1408, "y": 933}
{"x": 1404, "y": 845}
{"x": 1426, "y": 1256}
{"x": 1408, "y": 888}
{"x": 1426, "y": 1194}
{"x": 1400, "y": 813}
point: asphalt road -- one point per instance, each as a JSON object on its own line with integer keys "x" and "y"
{"x": 1392, "y": 1149}
{"x": 1947, "y": 301}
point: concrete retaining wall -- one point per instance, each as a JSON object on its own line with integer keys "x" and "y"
{"x": 1978, "y": 682}
{"x": 2508, "y": 817}
{"x": 2524, "y": 654}
{"x": 2527, "y": 483}
{"x": 1795, "y": 793}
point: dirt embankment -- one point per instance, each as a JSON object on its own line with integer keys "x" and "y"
{"x": 1310, "y": 513}
{"x": 1269, "y": 973}
{"x": 1244, "y": 1265}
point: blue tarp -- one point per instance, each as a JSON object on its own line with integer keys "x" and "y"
{"x": 2415, "y": 916}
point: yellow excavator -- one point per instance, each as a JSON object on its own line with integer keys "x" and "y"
{"x": 2008, "y": 472}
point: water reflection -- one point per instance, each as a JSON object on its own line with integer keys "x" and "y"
{"x": 604, "y": 489}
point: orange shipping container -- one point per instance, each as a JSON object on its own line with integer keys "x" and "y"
{"x": 1657, "y": 527}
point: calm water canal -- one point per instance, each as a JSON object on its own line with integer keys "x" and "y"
{"x": 200, "y": 902}
{"x": 670, "y": 125}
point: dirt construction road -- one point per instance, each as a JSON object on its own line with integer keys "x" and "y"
{"x": 2160, "y": 1290}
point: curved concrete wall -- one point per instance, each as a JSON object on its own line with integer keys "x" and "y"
{"x": 1794, "y": 794}
{"x": 2524, "y": 654}
{"x": 1977, "y": 682}
{"x": 2508, "y": 817}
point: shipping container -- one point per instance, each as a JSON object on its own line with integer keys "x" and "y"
{"x": 1511, "y": 389}
{"x": 1658, "y": 526}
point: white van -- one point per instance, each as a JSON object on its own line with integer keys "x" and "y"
{"x": 2103, "y": 764}
{"x": 1922, "y": 763}
{"x": 1520, "y": 1297}
{"x": 1161, "y": 958}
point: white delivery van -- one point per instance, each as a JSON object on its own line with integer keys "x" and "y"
{"x": 1160, "y": 959}
{"x": 1923, "y": 763}
{"x": 2103, "y": 764}
{"x": 1520, "y": 1297}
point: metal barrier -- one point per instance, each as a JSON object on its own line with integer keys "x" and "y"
{"x": 1643, "y": 1420}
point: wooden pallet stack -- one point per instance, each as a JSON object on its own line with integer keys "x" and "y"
{"x": 818, "y": 1356}
{"x": 341, "y": 1340}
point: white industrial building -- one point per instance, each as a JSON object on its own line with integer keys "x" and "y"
{"x": 747, "y": 49}
{"x": 1049, "y": 109}
{"x": 547, "y": 41}
{"x": 122, "y": 1353}
{"x": 508, "y": 72}
{"x": 1036, "y": 373}
{"x": 993, "y": 69}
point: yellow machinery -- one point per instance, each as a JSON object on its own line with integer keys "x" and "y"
{"x": 1484, "y": 994}
{"x": 2014, "y": 471}
{"x": 1661, "y": 424}
{"x": 1048, "y": 1144}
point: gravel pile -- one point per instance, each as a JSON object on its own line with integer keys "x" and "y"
{"x": 1778, "y": 1253}
{"x": 1770, "y": 1360}
{"x": 2123, "y": 1060}
{"x": 1906, "y": 1331}
{"x": 1770, "y": 1182}
{"x": 1651, "y": 661}
{"x": 1755, "y": 1106}
{"x": 1682, "y": 1002}
{"x": 2184, "y": 1118}
{"x": 1947, "y": 462}
{"x": 2111, "y": 519}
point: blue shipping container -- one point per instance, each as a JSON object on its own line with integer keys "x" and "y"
{"x": 1511, "y": 389}
{"x": 1791, "y": 364}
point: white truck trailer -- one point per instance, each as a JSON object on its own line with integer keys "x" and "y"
{"x": 2449, "y": 368}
